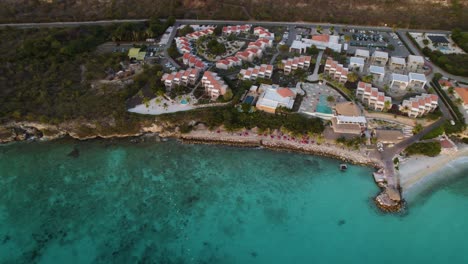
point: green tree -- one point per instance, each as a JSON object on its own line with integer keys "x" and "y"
{"x": 330, "y": 99}
{"x": 228, "y": 95}
{"x": 425, "y": 42}
{"x": 352, "y": 77}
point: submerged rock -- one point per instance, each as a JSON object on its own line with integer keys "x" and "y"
{"x": 75, "y": 153}
{"x": 341, "y": 222}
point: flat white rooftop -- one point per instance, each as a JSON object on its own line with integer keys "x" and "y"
{"x": 362, "y": 53}
{"x": 398, "y": 60}
{"x": 356, "y": 60}
{"x": 417, "y": 77}
{"x": 399, "y": 77}
{"x": 380, "y": 54}
{"x": 377, "y": 69}
{"x": 351, "y": 119}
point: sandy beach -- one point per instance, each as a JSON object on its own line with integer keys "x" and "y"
{"x": 418, "y": 169}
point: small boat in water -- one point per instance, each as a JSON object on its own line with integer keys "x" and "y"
{"x": 343, "y": 167}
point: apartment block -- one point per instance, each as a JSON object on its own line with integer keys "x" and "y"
{"x": 262, "y": 71}
{"x": 213, "y": 84}
{"x": 419, "y": 105}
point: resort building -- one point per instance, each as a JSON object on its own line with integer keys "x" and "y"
{"x": 319, "y": 41}
{"x": 273, "y": 96}
{"x": 377, "y": 72}
{"x": 356, "y": 64}
{"x": 193, "y": 61}
{"x": 181, "y": 77}
{"x": 261, "y": 43}
{"x": 262, "y": 71}
{"x": 399, "y": 81}
{"x": 417, "y": 80}
{"x": 462, "y": 94}
{"x": 291, "y": 64}
{"x": 236, "y": 29}
{"x": 197, "y": 34}
{"x": 336, "y": 70}
{"x": 415, "y": 63}
{"x": 419, "y": 105}
{"x": 249, "y": 54}
{"x": 214, "y": 85}
{"x": 348, "y": 119}
{"x": 183, "y": 45}
{"x": 360, "y": 53}
{"x": 263, "y": 33}
{"x": 379, "y": 58}
{"x": 397, "y": 64}
{"x": 228, "y": 63}
{"x": 371, "y": 97}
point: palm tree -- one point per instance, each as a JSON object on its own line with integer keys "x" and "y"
{"x": 352, "y": 77}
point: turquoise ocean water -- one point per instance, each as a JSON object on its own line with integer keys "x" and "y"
{"x": 118, "y": 202}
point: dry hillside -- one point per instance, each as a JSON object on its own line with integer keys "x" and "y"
{"x": 444, "y": 14}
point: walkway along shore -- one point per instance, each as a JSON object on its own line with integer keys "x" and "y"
{"x": 389, "y": 200}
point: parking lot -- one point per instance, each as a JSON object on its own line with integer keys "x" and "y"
{"x": 376, "y": 40}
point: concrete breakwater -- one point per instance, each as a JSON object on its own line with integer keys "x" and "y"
{"x": 388, "y": 199}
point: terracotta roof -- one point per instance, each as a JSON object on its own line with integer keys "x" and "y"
{"x": 415, "y": 104}
{"x": 321, "y": 38}
{"x": 285, "y": 92}
{"x": 463, "y": 93}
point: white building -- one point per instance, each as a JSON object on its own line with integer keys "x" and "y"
{"x": 319, "y": 41}
{"x": 417, "y": 80}
{"x": 236, "y": 29}
{"x": 261, "y": 43}
{"x": 399, "y": 81}
{"x": 214, "y": 85}
{"x": 356, "y": 63}
{"x": 181, "y": 77}
{"x": 371, "y": 97}
{"x": 273, "y": 96}
{"x": 415, "y": 63}
{"x": 228, "y": 63}
{"x": 197, "y": 34}
{"x": 377, "y": 72}
{"x": 193, "y": 61}
{"x": 249, "y": 54}
{"x": 263, "y": 33}
{"x": 419, "y": 105}
{"x": 336, "y": 70}
{"x": 360, "y": 53}
{"x": 397, "y": 64}
{"x": 262, "y": 71}
{"x": 348, "y": 119}
{"x": 291, "y": 64}
{"x": 379, "y": 58}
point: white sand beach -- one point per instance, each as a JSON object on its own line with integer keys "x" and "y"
{"x": 418, "y": 169}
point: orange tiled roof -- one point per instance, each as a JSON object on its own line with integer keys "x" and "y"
{"x": 285, "y": 92}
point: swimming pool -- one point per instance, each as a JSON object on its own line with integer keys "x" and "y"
{"x": 322, "y": 106}
{"x": 183, "y": 101}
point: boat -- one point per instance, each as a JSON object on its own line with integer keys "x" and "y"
{"x": 343, "y": 167}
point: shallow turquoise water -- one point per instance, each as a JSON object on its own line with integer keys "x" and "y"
{"x": 117, "y": 202}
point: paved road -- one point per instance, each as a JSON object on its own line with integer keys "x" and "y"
{"x": 434, "y": 67}
{"x": 212, "y": 22}
{"x": 291, "y": 26}
{"x": 314, "y": 77}
{"x": 169, "y": 43}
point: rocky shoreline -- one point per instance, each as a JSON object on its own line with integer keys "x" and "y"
{"x": 34, "y": 131}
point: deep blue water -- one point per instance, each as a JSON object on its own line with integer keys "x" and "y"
{"x": 118, "y": 202}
